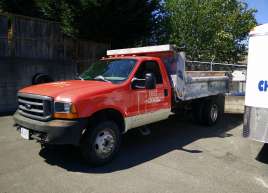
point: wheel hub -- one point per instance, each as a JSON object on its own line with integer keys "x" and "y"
{"x": 214, "y": 113}
{"x": 104, "y": 143}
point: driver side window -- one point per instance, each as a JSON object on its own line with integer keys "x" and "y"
{"x": 149, "y": 67}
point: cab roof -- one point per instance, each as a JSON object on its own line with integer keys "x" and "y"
{"x": 142, "y": 50}
{"x": 130, "y": 57}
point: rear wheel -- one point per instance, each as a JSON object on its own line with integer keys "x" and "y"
{"x": 209, "y": 111}
{"x": 213, "y": 110}
{"x": 101, "y": 143}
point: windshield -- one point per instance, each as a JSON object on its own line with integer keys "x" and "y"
{"x": 115, "y": 71}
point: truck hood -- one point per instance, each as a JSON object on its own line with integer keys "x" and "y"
{"x": 70, "y": 90}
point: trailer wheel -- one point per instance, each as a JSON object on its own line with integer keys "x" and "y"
{"x": 213, "y": 110}
{"x": 101, "y": 143}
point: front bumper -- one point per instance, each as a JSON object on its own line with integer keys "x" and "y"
{"x": 54, "y": 131}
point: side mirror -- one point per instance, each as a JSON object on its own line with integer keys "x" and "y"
{"x": 150, "y": 81}
{"x": 138, "y": 83}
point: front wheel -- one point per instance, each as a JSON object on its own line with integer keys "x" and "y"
{"x": 101, "y": 143}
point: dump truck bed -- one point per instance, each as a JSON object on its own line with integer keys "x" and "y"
{"x": 198, "y": 84}
{"x": 188, "y": 85}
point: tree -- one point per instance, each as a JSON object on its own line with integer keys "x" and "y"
{"x": 210, "y": 29}
{"x": 123, "y": 23}
{"x": 119, "y": 22}
{"x": 21, "y": 7}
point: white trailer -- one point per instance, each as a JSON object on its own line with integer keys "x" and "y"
{"x": 256, "y": 99}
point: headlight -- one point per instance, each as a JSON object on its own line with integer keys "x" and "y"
{"x": 65, "y": 110}
{"x": 62, "y": 107}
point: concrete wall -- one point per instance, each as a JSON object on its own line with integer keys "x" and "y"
{"x": 18, "y": 73}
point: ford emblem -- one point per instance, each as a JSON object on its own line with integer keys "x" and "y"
{"x": 28, "y": 106}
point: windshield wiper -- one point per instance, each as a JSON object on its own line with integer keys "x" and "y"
{"x": 100, "y": 77}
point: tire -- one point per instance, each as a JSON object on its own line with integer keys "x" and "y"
{"x": 213, "y": 110}
{"x": 101, "y": 143}
{"x": 41, "y": 78}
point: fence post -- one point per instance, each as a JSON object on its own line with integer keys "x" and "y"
{"x": 211, "y": 63}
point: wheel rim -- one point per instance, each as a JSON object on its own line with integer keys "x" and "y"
{"x": 214, "y": 112}
{"x": 105, "y": 143}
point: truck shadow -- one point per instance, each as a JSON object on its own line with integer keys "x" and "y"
{"x": 263, "y": 154}
{"x": 166, "y": 136}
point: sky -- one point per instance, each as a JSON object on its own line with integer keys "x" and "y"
{"x": 262, "y": 8}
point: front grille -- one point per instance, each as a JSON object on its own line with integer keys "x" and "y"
{"x": 35, "y": 106}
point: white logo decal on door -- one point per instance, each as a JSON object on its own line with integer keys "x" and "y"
{"x": 154, "y": 97}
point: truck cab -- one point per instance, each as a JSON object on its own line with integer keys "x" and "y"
{"x": 127, "y": 89}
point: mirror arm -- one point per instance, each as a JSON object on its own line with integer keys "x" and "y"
{"x": 135, "y": 86}
{"x": 133, "y": 79}
{"x": 139, "y": 87}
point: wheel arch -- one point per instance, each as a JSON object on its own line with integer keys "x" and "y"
{"x": 108, "y": 114}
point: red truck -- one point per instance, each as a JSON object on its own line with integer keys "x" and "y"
{"x": 129, "y": 88}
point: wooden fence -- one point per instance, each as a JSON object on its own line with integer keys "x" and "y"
{"x": 25, "y": 37}
{"x": 29, "y": 46}
{"x": 3, "y": 36}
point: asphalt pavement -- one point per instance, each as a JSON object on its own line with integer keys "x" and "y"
{"x": 178, "y": 156}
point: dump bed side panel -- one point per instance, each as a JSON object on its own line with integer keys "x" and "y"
{"x": 188, "y": 85}
{"x": 205, "y": 86}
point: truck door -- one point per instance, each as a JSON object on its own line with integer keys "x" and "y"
{"x": 152, "y": 104}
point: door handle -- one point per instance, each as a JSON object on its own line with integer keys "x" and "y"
{"x": 165, "y": 92}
